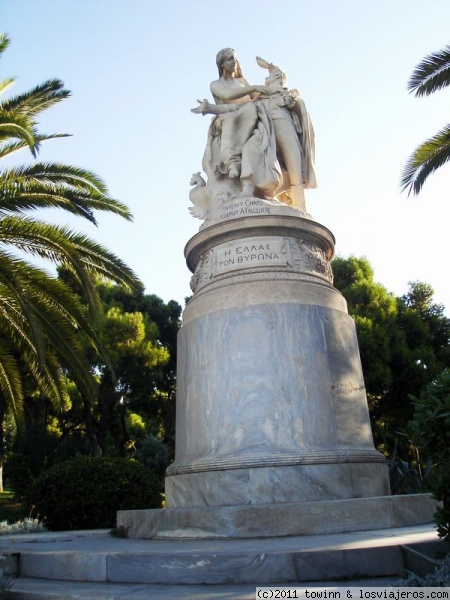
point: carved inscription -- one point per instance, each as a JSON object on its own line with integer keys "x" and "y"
{"x": 250, "y": 252}
{"x": 240, "y": 208}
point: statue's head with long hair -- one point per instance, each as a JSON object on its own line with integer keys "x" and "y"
{"x": 222, "y": 55}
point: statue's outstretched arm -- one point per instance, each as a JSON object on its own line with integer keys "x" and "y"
{"x": 206, "y": 108}
{"x": 228, "y": 95}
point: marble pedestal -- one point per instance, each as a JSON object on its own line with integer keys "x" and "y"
{"x": 273, "y": 435}
{"x": 271, "y": 405}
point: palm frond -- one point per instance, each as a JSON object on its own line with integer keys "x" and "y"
{"x": 4, "y": 42}
{"x": 16, "y": 310}
{"x": 6, "y": 84}
{"x": 11, "y": 381}
{"x": 82, "y": 256}
{"x": 51, "y": 380}
{"x": 99, "y": 260}
{"x": 47, "y": 374}
{"x": 40, "y": 318}
{"x": 426, "y": 159}
{"x": 10, "y": 148}
{"x": 49, "y": 184}
{"x": 57, "y": 296}
{"x": 63, "y": 340}
{"x": 60, "y": 173}
{"x": 17, "y": 127}
{"x": 432, "y": 74}
{"x": 49, "y": 242}
{"x": 49, "y": 321}
{"x": 38, "y": 99}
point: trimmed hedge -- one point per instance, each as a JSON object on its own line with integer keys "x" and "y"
{"x": 86, "y": 492}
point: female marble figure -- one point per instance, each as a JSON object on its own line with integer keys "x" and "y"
{"x": 251, "y": 125}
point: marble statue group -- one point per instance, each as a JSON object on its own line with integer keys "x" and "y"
{"x": 273, "y": 434}
{"x": 260, "y": 142}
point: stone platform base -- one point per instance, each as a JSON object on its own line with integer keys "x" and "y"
{"x": 76, "y": 565}
{"x": 278, "y": 520}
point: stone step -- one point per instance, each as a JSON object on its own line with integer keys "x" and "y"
{"x": 99, "y": 558}
{"x": 40, "y": 589}
{"x": 280, "y": 519}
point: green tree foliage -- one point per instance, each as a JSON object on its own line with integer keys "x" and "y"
{"x": 431, "y": 75}
{"x": 36, "y": 451}
{"x": 136, "y": 356}
{"x": 133, "y": 414}
{"x": 136, "y": 391}
{"x": 86, "y": 492}
{"x": 429, "y": 430}
{"x": 39, "y": 316}
{"x": 420, "y": 350}
{"x": 138, "y": 333}
{"x": 404, "y": 343}
{"x": 153, "y": 453}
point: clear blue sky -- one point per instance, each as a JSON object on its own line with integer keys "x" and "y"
{"x": 136, "y": 67}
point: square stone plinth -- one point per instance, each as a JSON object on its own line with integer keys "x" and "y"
{"x": 276, "y": 520}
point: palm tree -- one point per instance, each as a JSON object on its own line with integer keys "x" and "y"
{"x": 40, "y": 318}
{"x": 432, "y": 74}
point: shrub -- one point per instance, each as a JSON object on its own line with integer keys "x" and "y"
{"x": 86, "y": 492}
{"x": 27, "y": 525}
{"x": 154, "y": 453}
{"x": 31, "y": 454}
{"x": 430, "y": 431}
{"x": 35, "y": 452}
{"x": 408, "y": 476}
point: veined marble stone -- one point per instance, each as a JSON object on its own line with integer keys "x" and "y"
{"x": 271, "y": 404}
{"x": 273, "y": 435}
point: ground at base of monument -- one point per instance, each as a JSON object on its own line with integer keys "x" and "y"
{"x": 71, "y": 565}
{"x": 37, "y": 589}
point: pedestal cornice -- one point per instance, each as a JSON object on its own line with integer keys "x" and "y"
{"x": 273, "y": 225}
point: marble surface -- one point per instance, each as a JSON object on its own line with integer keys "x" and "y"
{"x": 272, "y": 385}
{"x": 260, "y": 147}
{"x": 375, "y": 551}
{"x": 223, "y": 486}
{"x": 262, "y": 560}
{"x": 271, "y": 403}
{"x": 278, "y": 520}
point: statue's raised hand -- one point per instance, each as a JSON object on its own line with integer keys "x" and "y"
{"x": 203, "y": 108}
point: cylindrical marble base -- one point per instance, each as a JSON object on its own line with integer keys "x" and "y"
{"x": 271, "y": 405}
{"x": 277, "y": 484}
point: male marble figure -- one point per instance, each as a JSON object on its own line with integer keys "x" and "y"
{"x": 261, "y": 135}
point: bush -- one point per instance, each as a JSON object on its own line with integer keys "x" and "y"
{"x": 35, "y": 452}
{"x": 154, "y": 453}
{"x": 430, "y": 431}
{"x": 31, "y": 454}
{"x": 86, "y": 492}
{"x": 27, "y": 525}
